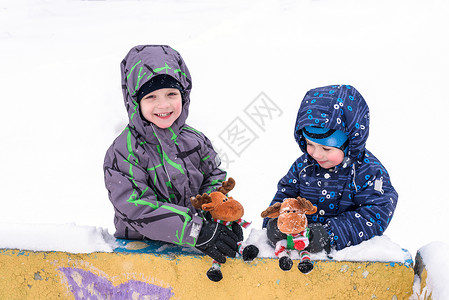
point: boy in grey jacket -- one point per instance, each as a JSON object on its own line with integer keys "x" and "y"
{"x": 158, "y": 162}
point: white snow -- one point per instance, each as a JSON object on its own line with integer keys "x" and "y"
{"x": 62, "y": 104}
{"x": 437, "y": 265}
{"x": 61, "y": 237}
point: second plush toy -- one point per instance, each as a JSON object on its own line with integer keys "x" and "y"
{"x": 292, "y": 221}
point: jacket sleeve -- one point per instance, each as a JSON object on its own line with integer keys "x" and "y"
{"x": 288, "y": 187}
{"x": 209, "y": 166}
{"x": 137, "y": 205}
{"x": 374, "y": 202}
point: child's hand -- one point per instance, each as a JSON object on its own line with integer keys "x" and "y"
{"x": 237, "y": 229}
{"x": 273, "y": 233}
{"x": 217, "y": 241}
{"x": 318, "y": 238}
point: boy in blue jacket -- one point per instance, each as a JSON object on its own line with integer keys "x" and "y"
{"x": 346, "y": 182}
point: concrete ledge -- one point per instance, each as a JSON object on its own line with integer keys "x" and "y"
{"x": 157, "y": 271}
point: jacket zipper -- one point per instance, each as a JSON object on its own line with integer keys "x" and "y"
{"x": 163, "y": 163}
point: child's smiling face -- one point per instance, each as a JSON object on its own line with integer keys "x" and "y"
{"x": 327, "y": 157}
{"x": 162, "y": 107}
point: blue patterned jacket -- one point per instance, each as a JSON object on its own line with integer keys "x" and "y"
{"x": 356, "y": 199}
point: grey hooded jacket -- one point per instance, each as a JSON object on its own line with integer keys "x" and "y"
{"x": 151, "y": 173}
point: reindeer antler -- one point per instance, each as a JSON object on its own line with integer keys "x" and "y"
{"x": 199, "y": 200}
{"x": 272, "y": 211}
{"x": 227, "y": 186}
{"x": 305, "y": 204}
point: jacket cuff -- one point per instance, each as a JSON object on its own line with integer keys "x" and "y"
{"x": 197, "y": 224}
{"x": 328, "y": 227}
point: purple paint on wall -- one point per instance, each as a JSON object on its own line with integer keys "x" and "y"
{"x": 85, "y": 284}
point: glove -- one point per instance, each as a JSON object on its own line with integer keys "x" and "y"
{"x": 217, "y": 241}
{"x": 274, "y": 235}
{"x": 318, "y": 238}
{"x": 237, "y": 229}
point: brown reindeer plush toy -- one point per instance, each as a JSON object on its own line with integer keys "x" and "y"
{"x": 227, "y": 211}
{"x": 292, "y": 221}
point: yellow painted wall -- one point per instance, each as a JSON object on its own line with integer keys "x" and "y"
{"x": 60, "y": 275}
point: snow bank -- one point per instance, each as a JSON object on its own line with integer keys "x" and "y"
{"x": 435, "y": 256}
{"x": 56, "y": 237}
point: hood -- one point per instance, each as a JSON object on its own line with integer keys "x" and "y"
{"x": 139, "y": 66}
{"x": 339, "y": 107}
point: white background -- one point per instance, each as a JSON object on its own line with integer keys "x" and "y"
{"x": 62, "y": 106}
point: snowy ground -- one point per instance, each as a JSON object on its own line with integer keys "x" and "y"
{"x": 62, "y": 104}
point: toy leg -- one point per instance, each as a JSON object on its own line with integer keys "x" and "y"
{"x": 249, "y": 253}
{"x": 305, "y": 265}
{"x": 214, "y": 273}
{"x": 281, "y": 251}
{"x": 285, "y": 263}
